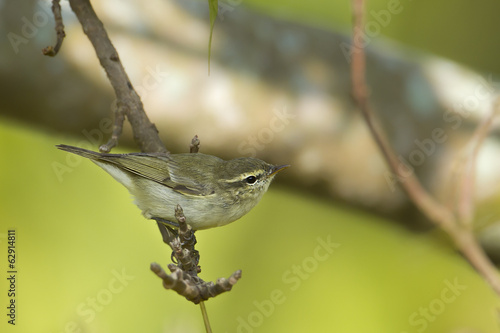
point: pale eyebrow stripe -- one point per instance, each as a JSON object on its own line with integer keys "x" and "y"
{"x": 243, "y": 176}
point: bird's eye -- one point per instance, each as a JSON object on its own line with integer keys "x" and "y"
{"x": 251, "y": 179}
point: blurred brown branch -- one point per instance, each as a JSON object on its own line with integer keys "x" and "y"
{"x": 465, "y": 206}
{"x": 456, "y": 221}
{"x": 52, "y": 51}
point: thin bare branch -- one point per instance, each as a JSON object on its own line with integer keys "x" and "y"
{"x": 184, "y": 278}
{"x": 470, "y": 248}
{"x": 427, "y": 204}
{"x": 439, "y": 214}
{"x": 194, "y": 147}
{"x": 176, "y": 281}
{"x": 465, "y": 205}
{"x": 181, "y": 283}
{"x": 145, "y": 133}
{"x": 52, "y": 51}
{"x": 205, "y": 317}
{"x": 190, "y": 257}
{"x": 117, "y": 129}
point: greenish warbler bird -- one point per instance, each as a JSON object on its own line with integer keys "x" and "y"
{"x": 211, "y": 191}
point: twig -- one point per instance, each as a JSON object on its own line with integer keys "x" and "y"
{"x": 145, "y": 133}
{"x": 194, "y": 147}
{"x": 205, "y": 317}
{"x": 189, "y": 258}
{"x": 465, "y": 205}
{"x": 436, "y": 212}
{"x": 117, "y": 129}
{"x": 52, "y": 51}
{"x": 184, "y": 278}
{"x": 468, "y": 245}
{"x": 439, "y": 214}
{"x": 181, "y": 283}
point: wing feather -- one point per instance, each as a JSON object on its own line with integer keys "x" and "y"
{"x": 165, "y": 170}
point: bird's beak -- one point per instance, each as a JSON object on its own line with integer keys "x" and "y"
{"x": 277, "y": 168}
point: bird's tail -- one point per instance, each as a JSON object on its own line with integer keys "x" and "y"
{"x": 80, "y": 151}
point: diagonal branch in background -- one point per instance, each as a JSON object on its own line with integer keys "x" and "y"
{"x": 436, "y": 212}
{"x": 466, "y": 179}
{"x": 145, "y": 133}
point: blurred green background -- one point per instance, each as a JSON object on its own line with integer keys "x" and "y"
{"x": 84, "y": 252}
{"x": 460, "y": 30}
{"x": 84, "y": 249}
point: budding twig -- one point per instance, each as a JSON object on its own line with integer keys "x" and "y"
{"x": 117, "y": 129}
{"x": 180, "y": 282}
{"x": 184, "y": 277}
{"x": 194, "y": 147}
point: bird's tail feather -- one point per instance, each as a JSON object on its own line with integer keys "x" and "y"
{"x": 80, "y": 151}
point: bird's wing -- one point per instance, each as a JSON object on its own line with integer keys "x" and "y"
{"x": 159, "y": 169}
{"x": 187, "y": 178}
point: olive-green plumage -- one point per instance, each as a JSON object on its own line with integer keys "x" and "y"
{"x": 211, "y": 191}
